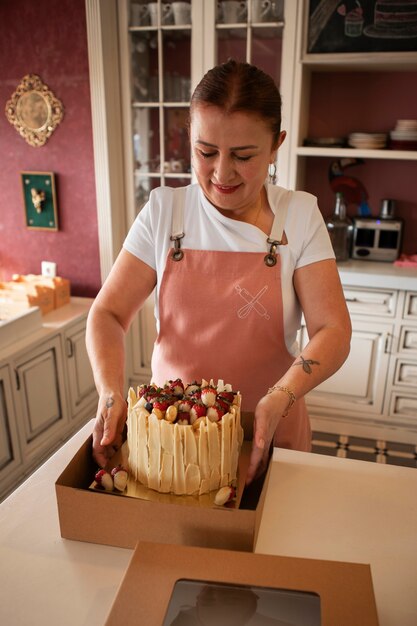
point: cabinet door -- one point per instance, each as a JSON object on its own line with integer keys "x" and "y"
{"x": 358, "y": 387}
{"x": 10, "y": 457}
{"x": 40, "y": 400}
{"x": 81, "y": 387}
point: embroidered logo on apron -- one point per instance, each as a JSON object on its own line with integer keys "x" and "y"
{"x": 252, "y": 303}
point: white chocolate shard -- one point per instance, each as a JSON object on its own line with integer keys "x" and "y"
{"x": 167, "y": 437}
{"x": 203, "y": 452}
{"x": 154, "y": 452}
{"x": 142, "y": 450}
{"x": 220, "y": 385}
{"x": 213, "y": 446}
{"x": 225, "y": 449}
{"x": 179, "y": 477}
{"x": 214, "y": 480}
{"x": 190, "y": 446}
{"x": 205, "y": 486}
{"x": 192, "y": 479}
{"x": 166, "y": 473}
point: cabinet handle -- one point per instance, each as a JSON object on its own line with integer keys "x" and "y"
{"x": 16, "y": 373}
{"x": 70, "y": 348}
{"x": 351, "y": 299}
{"x": 388, "y": 342}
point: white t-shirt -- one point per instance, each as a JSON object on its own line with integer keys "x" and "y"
{"x": 206, "y": 228}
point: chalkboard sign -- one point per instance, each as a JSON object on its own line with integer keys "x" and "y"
{"x": 362, "y": 26}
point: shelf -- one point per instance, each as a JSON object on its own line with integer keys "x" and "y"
{"x": 155, "y": 105}
{"x": 395, "y": 155}
{"x": 375, "y": 61}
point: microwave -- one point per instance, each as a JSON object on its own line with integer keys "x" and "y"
{"x": 376, "y": 239}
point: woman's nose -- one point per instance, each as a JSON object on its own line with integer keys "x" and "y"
{"x": 224, "y": 170}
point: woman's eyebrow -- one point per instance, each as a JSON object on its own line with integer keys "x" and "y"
{"x": 213, "y": 145}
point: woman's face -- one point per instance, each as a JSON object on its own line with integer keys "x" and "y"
{"x": 231, "y": 154}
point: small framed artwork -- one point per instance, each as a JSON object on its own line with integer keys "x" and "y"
{"x": 39, "y": 199}
{"x": 336, "y": 26}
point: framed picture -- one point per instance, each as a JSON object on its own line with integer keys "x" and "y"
{"x": 362, "y": 26}
{"x": 39, "y": 200}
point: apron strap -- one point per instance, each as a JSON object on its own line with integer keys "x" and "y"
{"x": 177, "y": 225}
{"x": 276, "y": 236}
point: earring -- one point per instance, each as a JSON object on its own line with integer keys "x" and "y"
{"x": 272, "y": 173}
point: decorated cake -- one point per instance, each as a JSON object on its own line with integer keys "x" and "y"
{"x": 184, "y": 438}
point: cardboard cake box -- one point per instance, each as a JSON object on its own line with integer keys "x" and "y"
{"x": 171, "y": 584}
{"x": 112, "y": 519}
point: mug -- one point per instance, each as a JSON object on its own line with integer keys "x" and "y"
{"x": 232, "y": 11}
{"x": 261, "y": 10}
{"x": 139, "y": 15}
{"x": 153, "y": 13}
{"x": 182, "y": 12}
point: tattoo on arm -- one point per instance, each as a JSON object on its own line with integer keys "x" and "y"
{"x": 109, "y": 403}
{"x": 306, "y": 364}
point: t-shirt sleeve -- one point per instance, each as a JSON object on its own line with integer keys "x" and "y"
{"x": 140, "y": 240}
{"x": 316, "y": 245}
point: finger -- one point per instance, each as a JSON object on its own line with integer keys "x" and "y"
{"x": 109, "y": 430}
{"x": 254, "y": 462}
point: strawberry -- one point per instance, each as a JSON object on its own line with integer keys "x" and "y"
{"x": 208, "y": 395}
{"x": 223, "y": 404}
{"x": 104, "y": 480}
{"x": 176, "y": 387}
{"x": 226, "y": 396}
{"x": 197, "y": 410}
{"x": 191, "y": 388}
{"x": 183, "y": 418}
{"x": 185, "y": 405}
{"x": 120, "y": 477}
{"x": 225, "y": 494}
{"x": 161, "y": 403}
{"x": 215, "y": 413}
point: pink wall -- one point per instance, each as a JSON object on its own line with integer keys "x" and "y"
{"x": 49, "y": 38}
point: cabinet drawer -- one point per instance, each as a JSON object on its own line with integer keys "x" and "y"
{"x": 410, "y": 307}
{"x": 403, "y": 405}
{"x": 369, "y": 302}
{"x": 408, "y": 340}
{"x": 406, "y": 373}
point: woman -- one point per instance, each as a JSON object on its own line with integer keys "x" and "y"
{"x": 234, "y": 261}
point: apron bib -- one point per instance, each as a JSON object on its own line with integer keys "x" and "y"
{"x": 221, "y": 317}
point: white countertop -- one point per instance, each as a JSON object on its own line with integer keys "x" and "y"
{"x": 316, "y": 506}
{"x": 374, "y": 274}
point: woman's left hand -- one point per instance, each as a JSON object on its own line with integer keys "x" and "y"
{"x": 268, "y": 413}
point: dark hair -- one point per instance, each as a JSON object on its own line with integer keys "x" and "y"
{"x": 235, "y": 86}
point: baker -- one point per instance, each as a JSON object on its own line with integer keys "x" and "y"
{"x": 235, "y": 260}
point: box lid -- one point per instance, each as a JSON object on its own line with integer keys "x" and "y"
{"x": 345, "y": 589}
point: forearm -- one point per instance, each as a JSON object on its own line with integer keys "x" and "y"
{"x": 323, "y": 355}
{"x": 105, "y": 341}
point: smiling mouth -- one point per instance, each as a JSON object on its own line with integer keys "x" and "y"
{"x": 226, "y": 188}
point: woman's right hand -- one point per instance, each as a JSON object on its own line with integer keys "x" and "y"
{"x": 109, "y": 426}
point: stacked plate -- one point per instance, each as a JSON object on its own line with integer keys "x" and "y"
{"x": 367, "y": 141}
{"x": 404, "y": 136}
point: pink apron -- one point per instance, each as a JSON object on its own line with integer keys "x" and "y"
{"x": 221, "y": 317}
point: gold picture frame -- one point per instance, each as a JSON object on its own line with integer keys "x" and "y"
{"x": 34, "y": 110}
{"x": 39, "y": 198}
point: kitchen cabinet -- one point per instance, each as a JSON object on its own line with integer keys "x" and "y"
{"x": 46, "y": 391}
{"x": 40, "y": 398}
{"x": 336, "y": 94}
{"x": 82, "y": 395}
{"x": 374, "y": 394}
{"x": 10, "y": 455}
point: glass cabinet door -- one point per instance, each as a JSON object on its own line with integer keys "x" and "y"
{"x": 159, "y": 77}
{"x": 166, "y": 47}
{"x": 250, "y": 30}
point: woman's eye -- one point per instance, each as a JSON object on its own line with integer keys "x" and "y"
{"x": 243, "y": 158}
{"x": 206, "y": 155}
